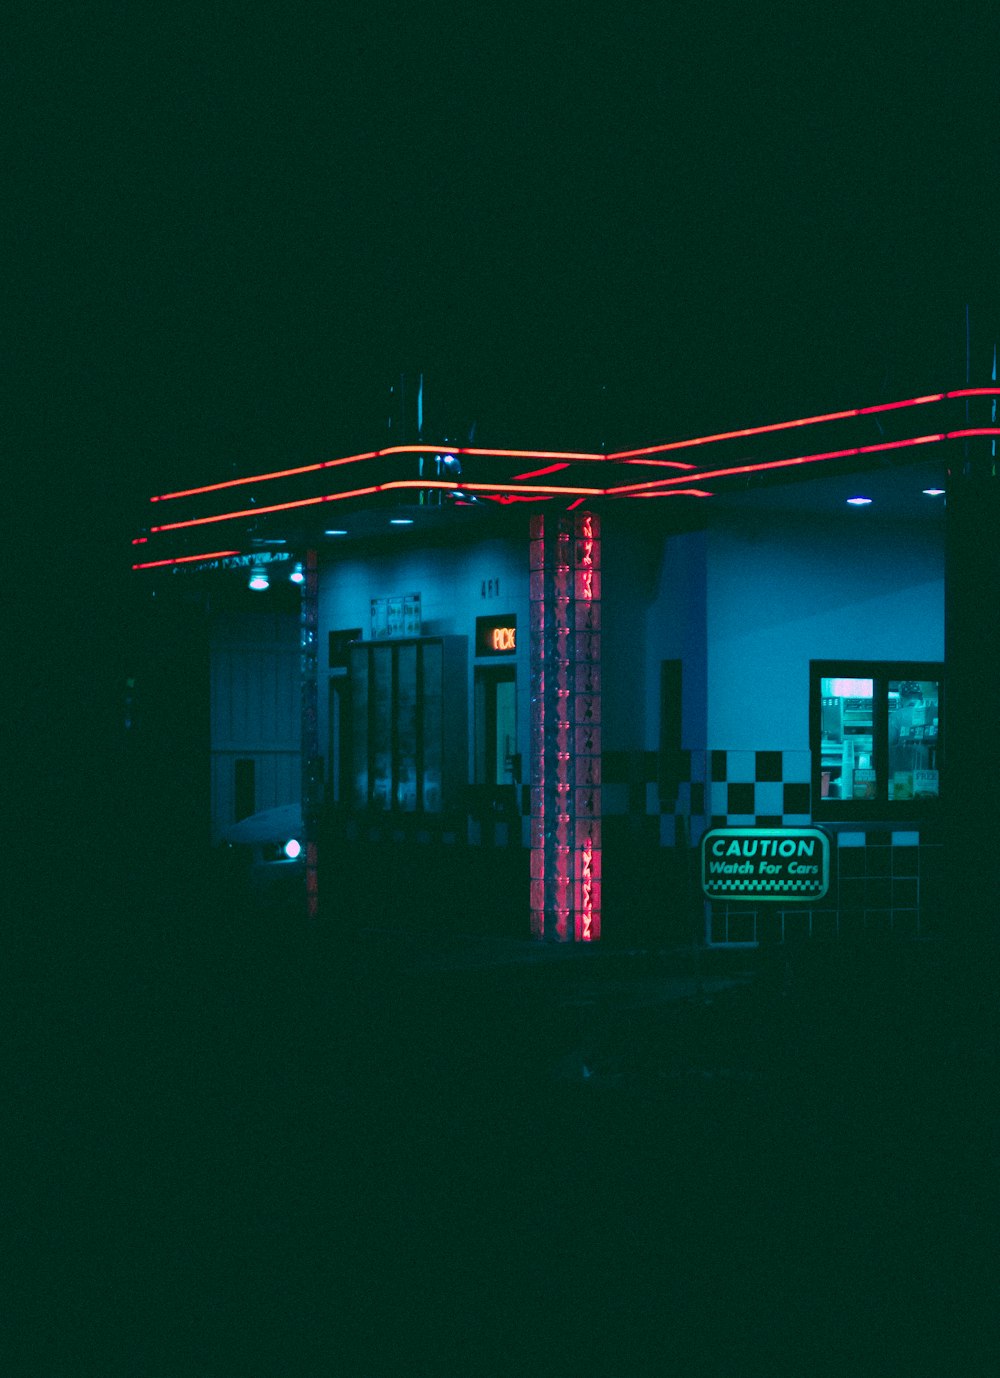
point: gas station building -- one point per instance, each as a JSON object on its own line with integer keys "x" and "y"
{"x": 527, "y": 685}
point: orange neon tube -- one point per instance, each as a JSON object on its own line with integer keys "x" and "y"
{"x": 556, "y": 490}
{"x": 567, "y": 455}
{"x": 578, "y": 455}
{"x": 550, "y": 489}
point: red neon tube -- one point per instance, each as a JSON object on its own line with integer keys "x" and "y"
{"x": 550, "y": 489}
{"x": 187, "y": 559}
{"x": 557, "y": 490}
{"x": 810, "y": 459}
{"x": 675, "y": 493}
{"x": 578, "y": 455}
{"x": 662, "y": 463}
{"x": 807, "y": 421}
{"x": 568, "y": 490}
{"x": 538, "y": 473}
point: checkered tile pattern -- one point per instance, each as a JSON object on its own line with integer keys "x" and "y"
{"x": 881, "y": 882}
{"x": 738, "y": 789}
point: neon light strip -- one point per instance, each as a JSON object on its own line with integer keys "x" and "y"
{"x": 187, "y": 559}
{"x": 537, "y": 473}
{"x": 514, "y": 454}
{"x": 549, "y": 489}
{"x": 662, "y": 463}
{"x": 806, "y": 421}
{"x": 675, "y": 493}
{"x": 572, "y": 455}
{"x": 377, "y": 454}
{"x": 559, "y": 490}
{"x": 251, "y": 511}
{"x": 504, "y": 487}
{"x": 140, "y": 540}
{"x": 508, "y": 498}
{"x": 807, "y": 459}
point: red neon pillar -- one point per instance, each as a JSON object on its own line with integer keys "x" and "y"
{"x": 565, "y": 624}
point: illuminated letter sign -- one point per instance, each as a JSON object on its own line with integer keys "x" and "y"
{"x": 765, "y": 864}
{"x": 496, "y": 636}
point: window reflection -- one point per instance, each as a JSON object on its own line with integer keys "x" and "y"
{"x": 848, "y": 768}
{"x": 913, "y": 739}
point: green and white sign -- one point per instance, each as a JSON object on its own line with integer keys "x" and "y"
{"x": 765, "y": 864}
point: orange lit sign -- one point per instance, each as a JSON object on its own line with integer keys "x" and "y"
{"x": 497, "y": 636}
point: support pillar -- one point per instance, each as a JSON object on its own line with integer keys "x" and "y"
{"x": 971, "y": 775}
{"x": 311, "y": 760}
{"x": 565, "y": 629}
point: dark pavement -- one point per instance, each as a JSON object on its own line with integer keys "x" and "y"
{"x": 372, "y": 1151}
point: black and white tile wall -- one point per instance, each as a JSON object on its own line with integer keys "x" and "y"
{"x": 883, "y": 881}
{"x": 737, "y": 789}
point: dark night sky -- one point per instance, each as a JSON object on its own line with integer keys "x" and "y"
{"x": 235, "y": 226}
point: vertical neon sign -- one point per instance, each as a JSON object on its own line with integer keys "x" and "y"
{"x": 565, "y": 621}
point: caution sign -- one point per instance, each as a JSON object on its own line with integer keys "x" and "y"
{"x": 765, "y": 864}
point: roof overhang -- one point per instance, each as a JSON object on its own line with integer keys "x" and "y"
{"x": 793, "y": 465}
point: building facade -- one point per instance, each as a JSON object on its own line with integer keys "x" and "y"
{"x": 530, "y": 684}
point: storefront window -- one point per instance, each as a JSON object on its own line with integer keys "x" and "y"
{"x": 874, "y": 736}
{"x": 848, "y": 727}
{"x": 913, "y": 738}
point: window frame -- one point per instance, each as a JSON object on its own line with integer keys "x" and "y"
{"x": 880, "y": 672}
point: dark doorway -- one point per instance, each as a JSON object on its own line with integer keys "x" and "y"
{"x": 496, "y": 724}
{"x": 246, "y": 789}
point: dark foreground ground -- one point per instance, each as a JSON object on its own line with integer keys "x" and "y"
{"x": 256, "y": 1150}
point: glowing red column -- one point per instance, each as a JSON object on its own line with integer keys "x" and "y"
{"x": 565, "y": 630}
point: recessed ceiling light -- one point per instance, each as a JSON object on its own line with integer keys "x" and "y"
{"x": 859, "y": 502}
{"x": 400, "y": 521}
{"x": 934, "y": 492}
{"x": 334, "y": 533}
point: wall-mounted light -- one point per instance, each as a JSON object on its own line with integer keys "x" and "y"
{"x": 934, "y": 492}
{"x": 297, "y": 575}
{"x": 858, "y": 502}
{"x": 400, "y": 521}
{"x": 259, "y": 580}
{"x": 334, "y": 533}
{"x": 292, "y": 848}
